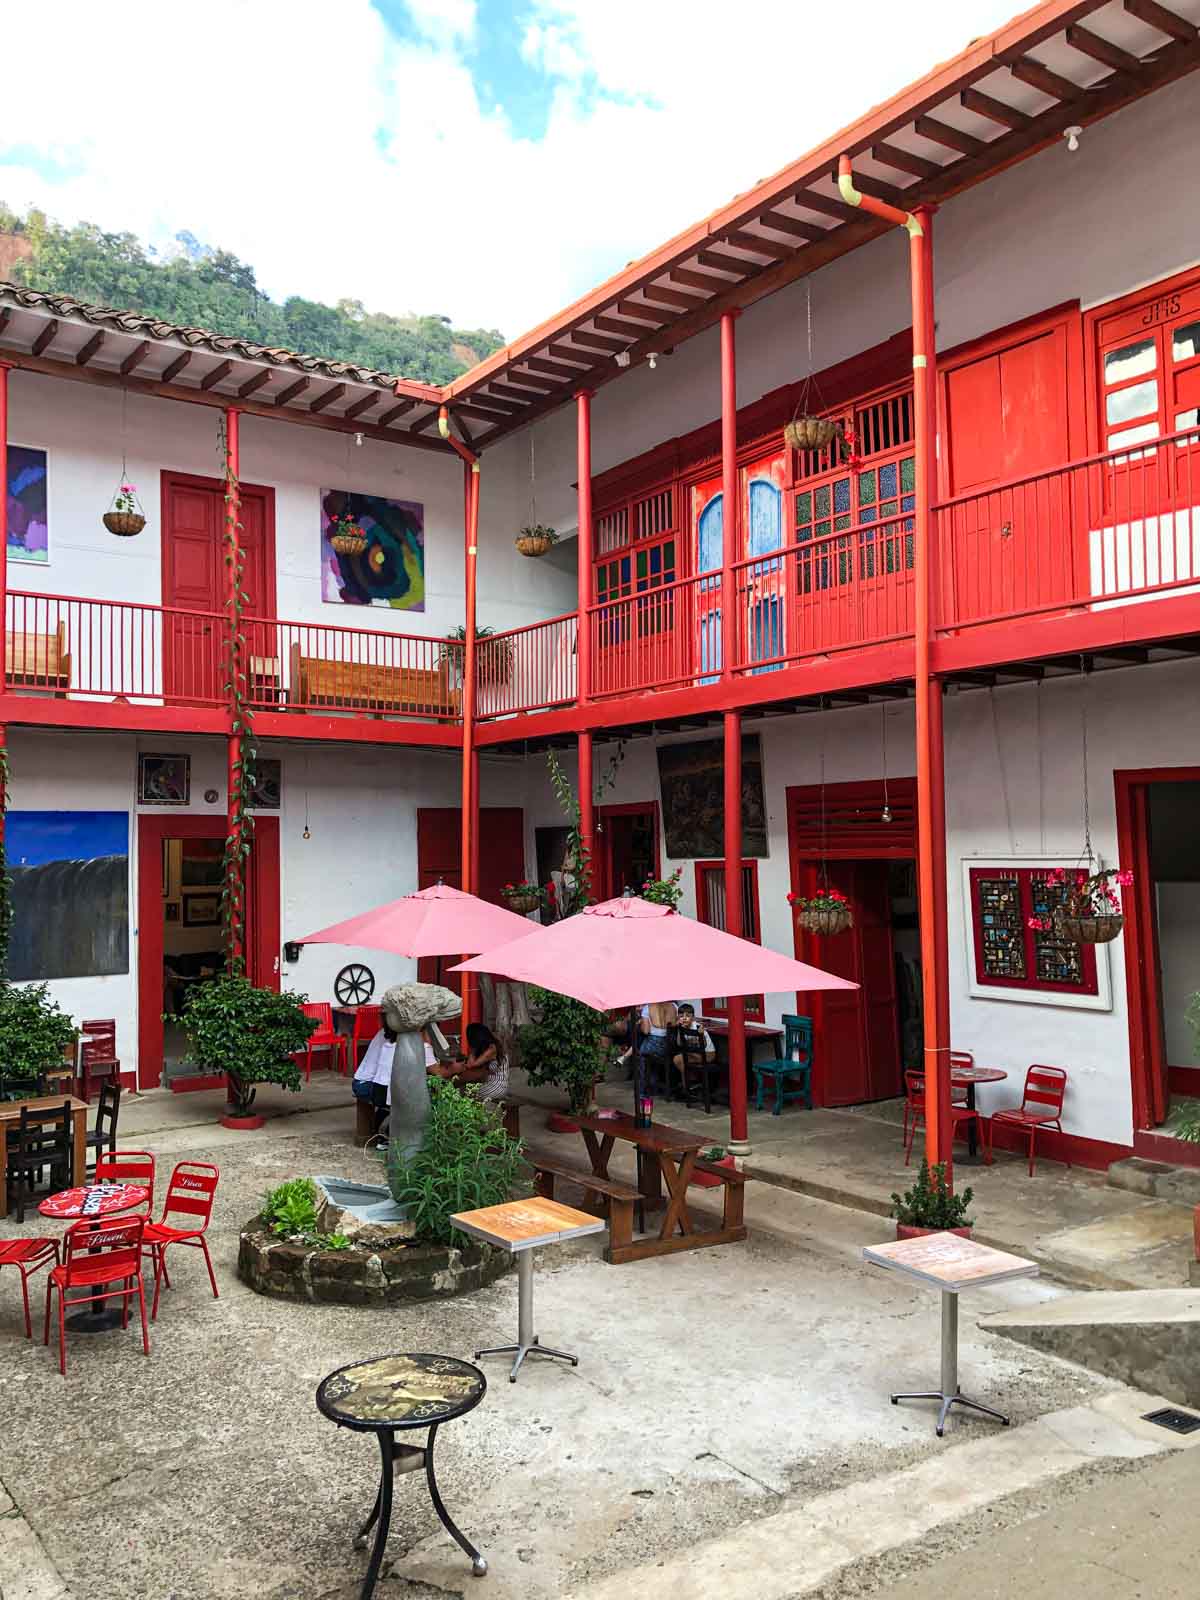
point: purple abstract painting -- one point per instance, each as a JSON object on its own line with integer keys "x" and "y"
{"x": 28, "y": 521}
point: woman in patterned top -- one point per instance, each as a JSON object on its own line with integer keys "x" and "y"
{"x": 482, "y": 1064}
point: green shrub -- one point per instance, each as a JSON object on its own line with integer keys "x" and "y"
{"x": 247, "y": 1033}
{"x": 564, "y": 1047}
{"x": 291, "y": 1209}
{"x": 930, "y": 1203}
{"x": 34, "y": 1032}
{"x": 467, "y": 1161}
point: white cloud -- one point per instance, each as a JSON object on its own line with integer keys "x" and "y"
{"x": 342, "y": 161}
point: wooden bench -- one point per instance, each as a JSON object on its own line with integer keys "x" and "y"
{"x": 363, "y": 686}
{"x": 619, "y": 1198}
{"x": 39, "y": 660}
{"x": 734, "y": 1183}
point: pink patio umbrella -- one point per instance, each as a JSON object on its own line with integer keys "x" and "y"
{"x": 438, "y": 921}
{"x": 625, "y": 952}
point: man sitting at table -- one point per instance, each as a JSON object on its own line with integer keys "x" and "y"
{"x": 692, "y": 1039}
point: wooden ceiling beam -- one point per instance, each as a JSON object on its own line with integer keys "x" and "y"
{"x": 1031, "y": 72}
{"x": 722, "y": 261}
{"x": 254, "y": 384}
{"x": 424, "y": 422}
{"x": 292, "y": 391}
{"x": 552, "y": 369}
{"x": 595, "y": 341}
{"x": 986, "y": 105}
{"x": 361, "y": 407}
{"x": 219, "y": 373}
{"x": 526, "y": 380}
{"x": 484, "y": 413}
{"x": 938, "y": 132}
{"x": 631, "y": 308}
{"x": 135, "y": 357}
{"x": 671, "y": 297}
{"x": 781, "y": 223}
{"x": 5, "y": 318}
{"x": 699, "y": 280}
{"x": 334, "y": 392}
{"x": 825, "y": 205}
{"x": 498, "y": 387}
{"x": 177, "y": 366}
{"x": 904, "y": 161}
{"x": 1104, "y": 51}
{"x": 771, "y": 248}
{"x": 564, "y": 352}
{"x": 887, "y": 192}
{"x": 618, "y": 325}
{"x": 46, "y": 338}
{"x": 1175, "y": 27}
{"x": 400, "y": 410}
{"x": 95, "y": 343}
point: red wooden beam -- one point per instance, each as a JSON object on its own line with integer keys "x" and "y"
{"x": 564, "y": 352}
{"x": 5, "y": 318}
{"x": 952, "y": 138}
{"x": 770, "y": 248}
{"x": 1102, "y": 50}
{"x": 46, "y": 337}
{"x": 334, "y": 392}
{"x": 671, "y": 297}
{"x": 389, "y": 417}
{"x": 782, "y": 223}
{"x": 904, "y": 161}
{"x": 484, "y": 413}
{"x": 254, "y": 384}
{"x": 1032, "y": 72}
{"x": 292, "y": 390}
{"x": 177, "y": 366}
{"x": 136, "y": 357}
{"x": 986, "y": 105}
{"x": 90, "y": 348}
{"x": 219, "y": 373}
{"x": 552, "y": 369}
{"x": 617, "y": 325}
{"x": 527, "y": 380}
{"x": 597, "y": 341}
{"x": 699, "y": 280}
{"x": 825, "y": 205}
{"x": 1175, "y": 27}
{"x": 632, "y": 308}
{"x": 360, "y": 407}
{"x": 722, "y": 261}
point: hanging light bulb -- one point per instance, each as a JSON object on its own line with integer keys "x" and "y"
{"x": 653, "y": 360}
{"x": 1071, "y": 135}
{"x": 886, "y": 814}
{"x": 358, "y": 439}
{"x": 306, "y": 834}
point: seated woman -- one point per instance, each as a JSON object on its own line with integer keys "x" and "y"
{"x": 483, "y": 1064}
{"x": 373, "y": 1080}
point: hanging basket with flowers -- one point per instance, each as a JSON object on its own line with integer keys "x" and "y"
{"x": 536, "y": 540}
{"x": 125, "y": 516}
{"x": 346, "y": 536}
{"x": 1089, "y": 909}
{"x": 522, "y": 897}
{"x": 828, "y": 911}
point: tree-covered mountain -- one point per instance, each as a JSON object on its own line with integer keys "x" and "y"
{"x": 196, "y": 286}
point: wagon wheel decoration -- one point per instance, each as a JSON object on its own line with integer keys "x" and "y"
{"x": 354, "y": 984}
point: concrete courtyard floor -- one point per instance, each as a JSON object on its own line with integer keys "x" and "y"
{"x": 727, "y": 1429}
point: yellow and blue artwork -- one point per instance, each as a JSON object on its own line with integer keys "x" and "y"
{"x": 388, "y": 567}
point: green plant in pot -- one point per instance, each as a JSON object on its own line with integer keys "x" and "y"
{"x": 247, "y": 1033}
{"x": 563, "y": 1048}
{"x": 493, "y": 655}
{"x": 34, "y": 1034}
{"x": 467, "y": 1161}
{"x": 930, "y": 1206}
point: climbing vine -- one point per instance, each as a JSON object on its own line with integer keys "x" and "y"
{"x": 241, "y": 774}
{"x": 577, "y": 851}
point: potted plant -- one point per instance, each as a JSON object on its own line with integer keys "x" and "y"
{"x": 125, "y": 516}
{"x": 931, "y": 1207}
{"x": 664, "y": 891}
{"x": 1090, "y": 908}
{"x": 465, "y": 1162}
{"x": 347, "y": 536}
{"x": 827, "y": 911}
{"x": 717, "y": 1156}
{"x": 562, "y": 1048}
{"x": 250, "y": 1035}
{"x": 522, "y": 897}
{"x": 535, "y": 540}
{"x": 493, "y": 656}
{"x": 34, "y": 1035}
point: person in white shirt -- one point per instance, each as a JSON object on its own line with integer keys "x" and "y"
{"x": 373, "y": 1079}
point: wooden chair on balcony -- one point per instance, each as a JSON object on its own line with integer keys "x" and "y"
{"x": 364, "y": 686}
{"x": 39, "y": 661}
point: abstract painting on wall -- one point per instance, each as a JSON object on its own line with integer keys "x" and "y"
{"x": 267, "y": 791}
{"x": 390, "y": 569}
{"x": 70, "y": 893}
{"x": 28, "y": 517}
{"x": 692, "y": 779}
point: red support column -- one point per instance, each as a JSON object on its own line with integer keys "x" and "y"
{"x": 470, "y": 767}
{"x": 729, "y": 499}
{"x": 583, "y": 571}
{"x": 233, "y": 570}
{"x": 738, "y": 1140}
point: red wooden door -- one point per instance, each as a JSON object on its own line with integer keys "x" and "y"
{"x": 710, "y": 908}
{"x": 193, "y": 584}
{"x": 439, "y": 855}
{"x": 1007, "y": 417}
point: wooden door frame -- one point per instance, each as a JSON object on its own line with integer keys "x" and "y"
{"x": 753, "y": 1014}
{"x": 263, "y": 932}
{"x": 1147, "y": 1051}
{"x": 169, "y": 479}
{"x": 631, "y": 808}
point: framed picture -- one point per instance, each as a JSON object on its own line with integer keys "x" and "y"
{"x": 164, "y": 780}
{"x": 692, "y": 779}
{"x": 389, "y": 568}
{"x": 171, "y": 911}
{"x": 202, "y": 863}
{"x": 1009, "y": 960}
{"x": 69, "y": 894}
{"x": 268, "y": 784}
{"x": 201, "y": 910}
{"x": 27, "y": 490}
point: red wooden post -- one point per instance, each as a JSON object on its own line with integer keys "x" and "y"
{"x": 738, "y": 1141}
{"x": 470, "y": 768}
{"x": 729, "y": 509}
{"x": 583, "y": 571}
{"x": 233, "y": 516}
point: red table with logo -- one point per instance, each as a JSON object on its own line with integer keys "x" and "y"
{"x": 68, "y": 1206}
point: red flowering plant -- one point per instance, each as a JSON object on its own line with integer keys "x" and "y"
{"x": 663, "y": 891}
{"x": 824, "y": 900}
{"x": 523, "y": 895}
{"x": 346, "y": 535}
{"x": 1084, "y": 894}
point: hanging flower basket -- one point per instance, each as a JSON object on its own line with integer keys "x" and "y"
{"x": 522, "y": 897}
{"x": 347, "y": 538}
{"x": 125, "y": 516}
{"x": 536, "y": 540}
{"x": 1089, "y": 930}
{"x": 827, "y": 912}
{"x": 1089, "y": 911}
{"x": 810, "y": 433}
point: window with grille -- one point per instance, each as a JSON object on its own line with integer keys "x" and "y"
{"x": 1149, "y": 370}
{"x": 710, "y": 908}
{"x": 647, "y": 562}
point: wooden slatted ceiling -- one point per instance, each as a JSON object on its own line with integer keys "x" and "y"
{"x": 1059, "y": 64}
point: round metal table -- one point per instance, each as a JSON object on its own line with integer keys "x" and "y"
{"x": 105, "y": 1200}
{"x": 967, "y": 1078}
{"x": 389, "y": 1395}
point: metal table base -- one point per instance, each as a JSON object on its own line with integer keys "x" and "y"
{"x": 949, "y": 1394}
{"x": 527, "y": 1341}
{"x": 399, "y": 1457}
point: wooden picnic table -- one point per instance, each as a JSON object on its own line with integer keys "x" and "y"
{"x": 10, "y": 1116}
{"x": 665, "y": 1155}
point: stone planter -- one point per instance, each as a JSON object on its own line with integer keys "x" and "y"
{"x": 363, "y": 1277}
{"x": 905, "y": 1230}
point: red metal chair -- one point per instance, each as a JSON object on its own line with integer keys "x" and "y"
{"x": 127, "y": 1166}
{"x": 367, "y": 1022}
{"x": 28, "y": 1256}
{"x": 324, "y": 1037}
{"x": 960, "y": 1115}
{"x": 98, "y": 1060}
{"x": 1041, "y": 1104}
{"x": 190, "y": 1194}
{"x": 106, "y": 1258}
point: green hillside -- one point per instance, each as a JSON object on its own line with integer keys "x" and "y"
{"x": 205, "y": 288}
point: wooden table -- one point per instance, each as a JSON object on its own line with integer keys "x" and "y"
{"x": 520, "y": 1226}
{"x": 950, "y": 1263}
{"x": 664, "y": 1155}
{"x": 966, "y": 1078}
{"x": 757, "y": 1033}
{"x": 10, "y": 1116}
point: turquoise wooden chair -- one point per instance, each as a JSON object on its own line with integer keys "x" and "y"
{"x": 793, "y": 1074}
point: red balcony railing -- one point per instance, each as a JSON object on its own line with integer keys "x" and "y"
{"x": 309, "y": 666}
{"x": 527, "y": 669}
{"x": 1109, "y": 529}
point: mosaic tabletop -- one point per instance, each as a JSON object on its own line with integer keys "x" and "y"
{"x": 401, "y": 1391}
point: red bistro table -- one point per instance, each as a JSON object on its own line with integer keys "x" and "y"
{"x": 966, "y": 1078}
{"x": 68, "y": 1206}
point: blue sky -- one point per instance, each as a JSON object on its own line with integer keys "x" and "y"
{"x": 486, "y": 159}
{"x": 35, "y": 837}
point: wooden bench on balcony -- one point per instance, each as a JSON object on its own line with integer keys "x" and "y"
{"x": 39, "y": 661}
{"x": 364, "y": 686}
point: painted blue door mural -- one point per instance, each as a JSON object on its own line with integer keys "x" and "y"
{"x": 763, "y": 581}
{"x": 710, "y": 519}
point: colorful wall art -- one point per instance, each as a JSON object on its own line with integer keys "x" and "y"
{"x": 390, "y": 570}
{"x": 70, "y": 893}
{"x": 28, "y": 517}
{"x": 692, "y": 777}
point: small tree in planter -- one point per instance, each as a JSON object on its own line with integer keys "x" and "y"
{"x": 247, "y": 1033}
{"x": 34, "y": 1033}
{"x": 930, "y": 1206}
{"x": 466, "y": 1161}
{"x": 563, "y": 1048}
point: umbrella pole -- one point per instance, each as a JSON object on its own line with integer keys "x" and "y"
{"x": 738, "y": 1131}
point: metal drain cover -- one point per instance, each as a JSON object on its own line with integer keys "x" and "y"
{"x": 1174, "y": 1420}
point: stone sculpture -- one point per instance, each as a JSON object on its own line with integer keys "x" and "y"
{"x": 407, "y": 1009}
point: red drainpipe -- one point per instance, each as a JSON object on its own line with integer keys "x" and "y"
{"x": 931, "y": 802}
{"x": 470, "y": 767}
{"x": 233, "y": 516}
